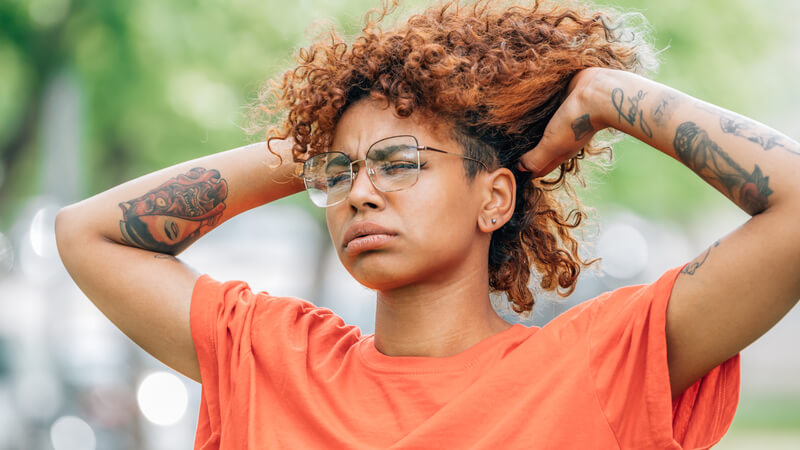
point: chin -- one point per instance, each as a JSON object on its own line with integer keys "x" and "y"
{"x": 379, "y": 275}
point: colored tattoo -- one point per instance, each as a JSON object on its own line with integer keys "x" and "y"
{"x": 582, "y": 127}
{"x": 713, "y": 164}
{"x": 663, "y": 109}
{"x": 170, "y": 217}
{"x": 692, "y": 267}
{"x": 630, "y": 114}
{"x": 747, "y": 129}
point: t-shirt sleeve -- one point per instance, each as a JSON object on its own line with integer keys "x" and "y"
{"x": 238, "y": 333}
{"x": 628, "y": 362}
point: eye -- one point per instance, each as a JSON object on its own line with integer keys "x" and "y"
{"x": 160, "y": 202}
{"x": 393, "y": 167}
{"x": 336, "y": 180}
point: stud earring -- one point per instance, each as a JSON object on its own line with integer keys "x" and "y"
{"x": 494, "y": 220}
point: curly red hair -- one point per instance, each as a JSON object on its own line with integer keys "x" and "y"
{"x": 496, "y": 73}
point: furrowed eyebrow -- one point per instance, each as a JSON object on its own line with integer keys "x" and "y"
{"x": 382, "y": 152}
{"x": 340, "y": 159}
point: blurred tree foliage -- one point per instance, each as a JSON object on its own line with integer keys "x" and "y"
{"x": 163, "y": 82}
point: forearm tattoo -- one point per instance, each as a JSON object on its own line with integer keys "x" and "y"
{"x": 172, "y": 216}
{"x": 664, "y": 107}
{"x": 747, "y": 129}
{"x": 692, "y": 267}
{"x": 632, "y": 112}
{"x": 582, "y": 127}
{"x": 702, "y": 155}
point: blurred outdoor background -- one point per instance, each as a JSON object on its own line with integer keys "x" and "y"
{"x": 94, "y": 93}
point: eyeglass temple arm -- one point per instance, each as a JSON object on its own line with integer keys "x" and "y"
{"x": 425, "y": 147}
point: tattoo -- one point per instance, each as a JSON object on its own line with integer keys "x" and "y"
{"x": 745, "y": 128}
{"x": 170, "y": 217}
{"x": 582, "y": 127}
{"x": 666, "y": 105}
{"x": 692, "y": 267}
{"x": 633, "y": 111}
{"x": 713, "y": 164}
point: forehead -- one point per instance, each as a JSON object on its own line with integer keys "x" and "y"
{"x": 368, "y": 121}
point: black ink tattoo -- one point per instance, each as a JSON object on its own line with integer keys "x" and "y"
{"x": 713, "y": 164}
{"x": 662, "y": 111}
{"x": 752, "y": 131}
{"x": 170, "y": 217}
{"x": 582, "y": 127}
{"x": 692, "y": 267}
{"x": 633, "y": 111}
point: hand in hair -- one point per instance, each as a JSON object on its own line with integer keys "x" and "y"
{"x": 571, "y": 128}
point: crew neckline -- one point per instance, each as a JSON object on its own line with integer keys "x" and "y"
{"x": 430, "y": 364}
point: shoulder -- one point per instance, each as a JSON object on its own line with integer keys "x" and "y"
{"x": 625, "y": 307}
{"x": 234, "y": 304}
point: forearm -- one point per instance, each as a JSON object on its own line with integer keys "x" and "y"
{"x": 753, "y": 165}
{"x": 167, "y": 210}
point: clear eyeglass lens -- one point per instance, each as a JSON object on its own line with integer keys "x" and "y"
{"x": 392, "y": 163}
{"x": 327, "y": 178}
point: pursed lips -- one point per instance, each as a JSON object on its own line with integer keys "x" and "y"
{"x": 363, "y": 229}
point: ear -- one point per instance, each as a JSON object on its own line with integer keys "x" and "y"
{"x": 499, "y": 190}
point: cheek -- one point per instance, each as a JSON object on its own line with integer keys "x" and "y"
{"x": 334, "y": 225}
{"x": 442, "y": 219}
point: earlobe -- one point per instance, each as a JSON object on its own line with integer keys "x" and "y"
{"x": 500, "y": 194}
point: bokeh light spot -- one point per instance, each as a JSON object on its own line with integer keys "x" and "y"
{"x": 72, "y": 433}
{"x": 162, "y": 398}
{"x": 624, "y": 251}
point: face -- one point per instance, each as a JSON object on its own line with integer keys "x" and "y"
{"x": 431, "y": 227}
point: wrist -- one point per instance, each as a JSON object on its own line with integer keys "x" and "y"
{"x": 593, "y": 88}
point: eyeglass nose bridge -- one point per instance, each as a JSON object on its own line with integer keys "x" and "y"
{"x": 354, "y": 171}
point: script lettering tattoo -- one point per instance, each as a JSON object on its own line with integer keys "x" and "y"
{"x": 582, "y": 127}
{"x": 744, "y": 128}
{"x": 701, "y": 154}
{"x": 692, "y": 267}
{"x": 170, "y": 217}
{"x": 632, "y": 112}
{"x": 663, "y": 109}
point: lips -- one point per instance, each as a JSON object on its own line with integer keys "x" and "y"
{"x": 360, "y": 230}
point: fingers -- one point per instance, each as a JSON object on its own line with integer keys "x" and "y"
{"x": 532, "y": 162}
{"x": 539, "y": 162}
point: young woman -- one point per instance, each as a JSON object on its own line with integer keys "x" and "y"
{"x": 442, "y": 149}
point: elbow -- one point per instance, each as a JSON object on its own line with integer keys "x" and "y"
{"x": 61, "y": 233}
{"x": 62, "y": 223}
{"x": 66, "y": 230}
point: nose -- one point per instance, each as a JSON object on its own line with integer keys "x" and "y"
{"x": 363, "y": 193}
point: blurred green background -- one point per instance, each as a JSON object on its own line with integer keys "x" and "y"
{"x": 162, "y": 82}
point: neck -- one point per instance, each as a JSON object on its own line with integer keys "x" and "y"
{"x": 437, "y": 319}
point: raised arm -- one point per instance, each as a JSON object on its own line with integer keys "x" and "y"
{"x": 747, "y": 281}
{"x": 120, "y": 245}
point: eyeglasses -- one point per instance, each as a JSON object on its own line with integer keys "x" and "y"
{"x": 392, "y": 165}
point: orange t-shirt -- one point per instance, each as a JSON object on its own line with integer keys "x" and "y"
{"x": 279, "y": 372}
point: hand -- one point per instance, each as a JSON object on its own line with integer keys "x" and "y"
{"x": 571, "y": 127}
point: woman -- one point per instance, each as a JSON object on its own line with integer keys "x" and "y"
{"x": 459, "y": 116}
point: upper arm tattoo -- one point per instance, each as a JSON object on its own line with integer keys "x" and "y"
{"x": 692, "y": 267}
{"x": 713, "y": 164}
{"x": 172, "y": 216}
